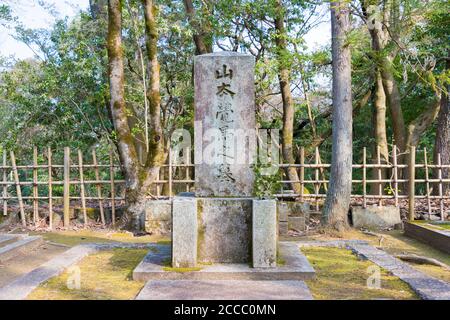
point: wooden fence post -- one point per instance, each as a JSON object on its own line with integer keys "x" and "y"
{"x": 425, "y": 158}
{"x": 82, "y": 191}
{"x": 364, "y": 178}
{"x": 50, "y": 189}
{"x": 302, "y": 172}
{"x": 441, "y": 194}
{"x": 113, "y": 190}
{"x": 18, "y": 189}
{"x": 35, "y": 186}
{"x": 411, "y": 182}
{"x": 66, "y": 196}
{"x": 170, "y": 172}
{"x": 5, "y": 187}
{"x": 394, "y": 164}
{"x": 99, "y": 187}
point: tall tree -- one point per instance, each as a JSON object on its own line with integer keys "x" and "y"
{"x": 338, "y": 197}
{"x": 286, "y": 95}
{"x": 442, "y": 142}
{"x": 138, "y": 178}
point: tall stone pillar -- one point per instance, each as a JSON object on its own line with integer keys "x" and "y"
{"x": 225, "y": 141}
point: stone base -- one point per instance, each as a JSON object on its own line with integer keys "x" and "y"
{"x": 158, "y": 216}
{"x": 224, "y": 230}
{"x": 376, "y": 216}
{"x": 294, "y": 266}
{"x": 224, "y": 290}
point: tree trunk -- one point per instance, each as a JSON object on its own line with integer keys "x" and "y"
{"x": 201, "y": 46}
{"x": 442, "y": 142}
{"x": 379, "y": 133}
{"x": 126, "y": 147}
{"x": 337, "y": 203}
{"x": 288, "y": 102}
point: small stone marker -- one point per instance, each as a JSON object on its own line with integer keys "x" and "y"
{"x": 264, "y": 233}
{"x": 225, "y": 140}
{"x": 184, "y": 232}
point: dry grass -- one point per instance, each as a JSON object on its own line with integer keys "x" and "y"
{"x": 341, "y": 275}
{"x": 104, "y": 276}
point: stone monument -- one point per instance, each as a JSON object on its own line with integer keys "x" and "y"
{"x": 222, "y": 223}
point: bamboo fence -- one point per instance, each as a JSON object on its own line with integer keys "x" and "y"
{"x": 45, "y": 186}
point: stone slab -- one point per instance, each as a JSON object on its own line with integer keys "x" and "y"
{"x": 224, "y": 290}
{"x": 12, "y": 249}
{"x": 439, "y": 239}
{"x": 425, "y": 286}
{"x": 23, "y": 286}
{"x": 292, "y": 208}
{"x": 295, "y": 267}
{"x": 20, "y": 288}
{"x": 224, "y": 103}
{"x": 282, "y": 228}
{"x": 375, "y": 216}
{"x": 184, "y": 234}
{"x": 7, "y": 237}
{"x": 296, "y": 223}
{"x": 224, "y": 230}
{"x": 264, "y": 234}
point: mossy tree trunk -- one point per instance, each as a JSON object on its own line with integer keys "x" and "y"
{"x": 286, "y": 95}
{"x": 442, "y": 143}
{"x": 138, "y": 178}
{"x": 337, "y": 203}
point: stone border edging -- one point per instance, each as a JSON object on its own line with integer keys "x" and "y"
{"x": 427, "y": 287}
{"x": 20, "y": 288}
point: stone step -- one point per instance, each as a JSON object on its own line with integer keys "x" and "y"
{"x": 224, "y": 290}
{"x": 294, "y": 266}
{"x": 23, "y": 242}
{"x": 6, "y": 238}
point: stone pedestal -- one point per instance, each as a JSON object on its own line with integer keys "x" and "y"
{"x": 224, "y": 230}
{"x": 184, "y": 232}
{"x": 264, "y": 233}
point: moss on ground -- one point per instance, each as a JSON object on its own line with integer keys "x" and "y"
{"x": 341, "y": 275}
{"x": 73, "y": 238}
{"x": 171, "y": 269}
{"x": 395, "y": 242}
{"x": 106, "y": 275}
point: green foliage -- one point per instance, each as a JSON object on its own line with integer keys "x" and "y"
{"x": 266, "y": 185}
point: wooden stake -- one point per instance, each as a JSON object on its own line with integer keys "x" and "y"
{"x": 302, "y": 172}
{"x": 82, "y": 190}
{"x": 66, "y": 189}
{"x": 5, "y": 186}
{"x": 441, "y": 195}
{"x": 35, "y": 187}
{"x": 99, "y": 188}
{"x": 50, "y": 189}
{"x": 18, "y": 189}
{"x": 188, "y": 162}
{"x": 364, "y": 178}
{"x": 427, "y": 182}
{"x": 170, "y": 173}
{"x": 394, "y": 162}
{"x": 316, "y": 176}
{"x": 380, "y": 185}
{"x": 113, "y": 190}
{"x": 412, "y": 183}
